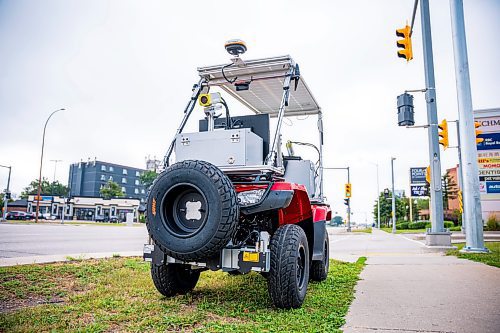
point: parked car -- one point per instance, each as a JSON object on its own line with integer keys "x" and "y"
{"x": 16, "y": 215}
{"x": 30, "y": 216}
{"x": 114, "y": 219}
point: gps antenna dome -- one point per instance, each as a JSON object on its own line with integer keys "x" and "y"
{"x": 235, "y": 47}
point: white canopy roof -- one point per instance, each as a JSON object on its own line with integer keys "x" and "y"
{"x": 266, "y": 88}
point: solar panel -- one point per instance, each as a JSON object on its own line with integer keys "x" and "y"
{"x": 266, "y": 88}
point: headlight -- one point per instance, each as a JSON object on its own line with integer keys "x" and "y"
{"x": 247, "y": 198}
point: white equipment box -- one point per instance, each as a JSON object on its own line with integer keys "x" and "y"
{"x": 235, "y": 147}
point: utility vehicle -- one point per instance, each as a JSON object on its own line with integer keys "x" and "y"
{"x": 232, "y": 201}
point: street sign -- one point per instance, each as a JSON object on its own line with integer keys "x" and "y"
{"x": 419, "y": 191}
{"x": 417, "y": 175}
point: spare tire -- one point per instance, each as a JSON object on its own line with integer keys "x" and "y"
{"x": 192, "y": 210}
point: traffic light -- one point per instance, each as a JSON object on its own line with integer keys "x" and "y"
{"x": 404, "y": 43}
{"x": 348, "y": 190}
{"x": 386, "y": 193}
{"x": 7, "y": 195}
{"x": 444, "y": 134}
{"x": 428, "y": 174}
{"x": 476, "y": 125}
{"x": 346, "y": 202}
{"x": 460, "y": 202}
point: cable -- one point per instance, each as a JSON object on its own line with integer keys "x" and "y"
{"x": 224, "y": 75}
{"x": 229, "y": 124}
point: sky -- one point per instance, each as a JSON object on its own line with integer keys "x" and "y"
{"x": 124, "y": 72}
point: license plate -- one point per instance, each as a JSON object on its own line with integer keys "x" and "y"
{"x": 251, "y": 256}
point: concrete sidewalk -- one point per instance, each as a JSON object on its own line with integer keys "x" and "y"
{"x": 405, "y": 289}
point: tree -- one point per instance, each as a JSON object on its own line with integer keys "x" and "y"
{"x": 386, "y": 208}
{"x": 111, "y": 190}
{"x": 47, "y": 188}
{"x": 450, "y": 190}
{"x": 147, "y": 178}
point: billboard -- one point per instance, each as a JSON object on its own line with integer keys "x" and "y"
{"x": 417, "y": 175}
{"x": 419, "y": 191}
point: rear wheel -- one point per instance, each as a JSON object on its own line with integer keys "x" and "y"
{"x": 192, "y": 210}
{"x": 319, "y": 268}
{"x": 172, "y": 279}
{"x": 289, "y": 271}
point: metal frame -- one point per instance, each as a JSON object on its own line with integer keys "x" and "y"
{"x": 266, "y": 75}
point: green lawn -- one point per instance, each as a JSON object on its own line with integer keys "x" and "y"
{"x": 118, "y": 295}
{"x": 492, "y": 259}
{"x": 365, "y": 230}
{"x": 406, "y": 231}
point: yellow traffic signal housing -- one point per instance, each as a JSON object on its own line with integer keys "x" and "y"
{"x": 428, "y": 174}
{"x": 348, "y": 190}
{"x": 444, "y": 134}
{"x": 476, "y": 125}
{"x": 404, "y": 43}
{"x": 460, "y": 202}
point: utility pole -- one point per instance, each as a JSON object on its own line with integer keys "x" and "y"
{"x": 5, "y": 199}
{"x": 437, "y": 235}
{"x": 378, "y": 200}
{"x": 469, "y": 168}
{"x": 393, "y": 213}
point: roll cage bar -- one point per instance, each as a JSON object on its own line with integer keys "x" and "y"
{"x": 270, "y": 92}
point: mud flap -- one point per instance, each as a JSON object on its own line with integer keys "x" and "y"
{"x": 319, "y": 240}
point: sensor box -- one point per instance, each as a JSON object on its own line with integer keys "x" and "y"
{"x": 222, "y": 148}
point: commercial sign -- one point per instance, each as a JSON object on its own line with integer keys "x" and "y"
{"x": 419, "y": 191}
{"x": 491, "y": 141}
{"x": 417, "y": 175}
{"x": 488, "y": 160}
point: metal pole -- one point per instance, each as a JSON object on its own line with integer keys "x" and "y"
{"x": 436, "y": 202}
{"x": 411, "y": 208}
{"x": 41, "y": 163}
{"x": 348, "y": 205}
{"x": 472, "y": 200}
{"x": 378, "y": 200}
{"x": 393, "y": 215}
{"x": 460, "y": 174}
{"x": 5, "y": 200}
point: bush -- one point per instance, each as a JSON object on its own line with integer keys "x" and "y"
{"x": 419, "y": 225}
{"x": 448, "y": 224}
{"x": 402, "y": 226}
{"x": 457, "y": 228}
{"x": 142, "y": 218}
{"x": 492, "y": 224}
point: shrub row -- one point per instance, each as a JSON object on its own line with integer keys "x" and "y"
{"x": 420, "y": 225}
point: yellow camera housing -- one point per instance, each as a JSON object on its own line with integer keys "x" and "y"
{"x": 207, "y": 100}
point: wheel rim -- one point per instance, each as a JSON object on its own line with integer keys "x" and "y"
{"x": 184, "y": 210}
{"x": 301, "y": 267}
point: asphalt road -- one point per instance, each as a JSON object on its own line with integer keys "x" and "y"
{"x": 45, "y": 243}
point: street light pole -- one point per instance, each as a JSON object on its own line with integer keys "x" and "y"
{"x": 5, "y": 202}
{"x": 41, "y": 163}
{"x": 393, "y": 198}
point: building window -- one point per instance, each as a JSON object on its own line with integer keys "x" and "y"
{"x": 103, "y": 168}
{"x": 111, "y": 178}
{"x": 124, "y": 190}
{"x": 137, "y": 174}
{"x": 111, "y": 169}
{"x": 125, "y": 172}
{"x": 124, "y": 180}
{"x": 137, "y": 182}
{"x": 103, "y": 177}
{"x": 136, "y": 191}
{"x": 143, "y": 191}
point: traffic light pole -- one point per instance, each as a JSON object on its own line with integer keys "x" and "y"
{"x": 5, "y": 197}
{"x": 349, "y": 201}
{"x": 469, "y": 168}
{"x": 437, "y": 235}
{"x": 393, "y": 212}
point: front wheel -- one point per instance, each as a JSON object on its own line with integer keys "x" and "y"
{"x": 289, "y": 271}
{"x": 172, "y": 279}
